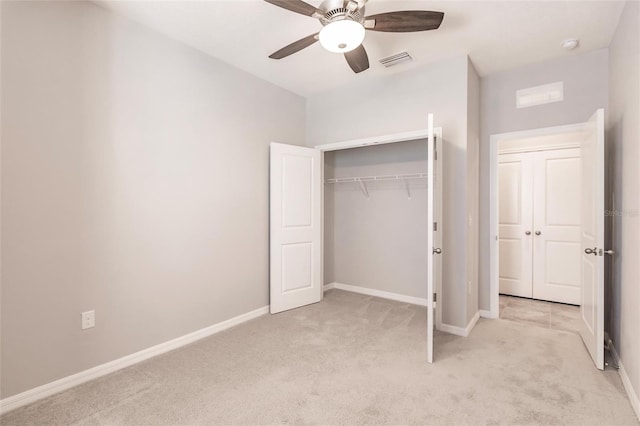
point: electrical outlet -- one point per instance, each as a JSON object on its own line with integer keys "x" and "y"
{"x": 88, "y": 319}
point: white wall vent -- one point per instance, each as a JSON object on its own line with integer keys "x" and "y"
{"x": 396, "y": 59}
{"x": 540, "y": 95}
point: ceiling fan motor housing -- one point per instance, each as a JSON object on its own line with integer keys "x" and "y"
{"x": 339, "y": 10}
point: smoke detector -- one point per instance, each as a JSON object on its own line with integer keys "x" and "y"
{"x": 570, "y": 43}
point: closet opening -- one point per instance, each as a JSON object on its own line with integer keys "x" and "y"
{"x": 539, "y": 218}
{"x": 547, "y": 229}
{"x": 362, "y": 215}
{"x": 375, "y": 216}
{"x": 375, "y": 228}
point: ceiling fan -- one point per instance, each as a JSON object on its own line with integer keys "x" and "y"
{"x": 344, "y": 23}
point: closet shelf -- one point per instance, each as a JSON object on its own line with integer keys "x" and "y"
{"x": 362, "y": 180}
{"x": 377, "y": 178}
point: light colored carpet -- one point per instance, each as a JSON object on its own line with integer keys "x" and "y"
{"x": 352, "y": 359}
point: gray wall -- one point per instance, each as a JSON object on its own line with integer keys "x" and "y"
{"x": 134, "y": 182}
{"x": 473, "y": 188}
{"x": 586, "y": 81}
{"x": 398, "y": 103}
{"x": 378, "y": 242}
{"x": 623, "y": 140}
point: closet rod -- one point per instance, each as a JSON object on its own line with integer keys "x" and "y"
{"x": 376, "y": 178}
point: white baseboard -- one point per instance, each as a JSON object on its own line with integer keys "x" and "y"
{"x": 631, "y": 393}
{"x": 487, "y": 314}
{"x": 378, "y": 293}
{"x": 32, "y": 395}
{"x": 459, "y": 331}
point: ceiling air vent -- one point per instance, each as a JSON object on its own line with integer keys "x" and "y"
{"x": 396, "y": 59}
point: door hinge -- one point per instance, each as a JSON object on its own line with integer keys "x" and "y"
{"x": 435, "y": 297}
{"x": 435, "y": 226}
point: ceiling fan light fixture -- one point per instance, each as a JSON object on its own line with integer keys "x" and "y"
{"x": 342, "y": 36}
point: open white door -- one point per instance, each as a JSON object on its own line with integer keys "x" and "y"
{"x": 438, "y": 161}
{"x": 295, "y": 227}
{"x": 592, "y": 239}
{"x": 431, "y": 242}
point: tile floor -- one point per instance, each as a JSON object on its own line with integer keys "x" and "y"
{"x": 556, "y": 316}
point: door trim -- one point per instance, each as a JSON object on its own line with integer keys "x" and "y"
{"x": 494, "y": 262}
{"x": 378, "y": 140}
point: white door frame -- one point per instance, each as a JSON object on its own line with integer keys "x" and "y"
{"x": 494, "y": 261}
{"x": 387, "y": 139}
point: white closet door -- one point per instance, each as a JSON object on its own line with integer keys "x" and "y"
{"x": 592, "y": 239}
{"x": 431, "y": 242}
{"x": 295, "y": 227}
{"x": 437, "y": 229}
{"x": 515, "y": 189}
{"x": 556, "y": 241}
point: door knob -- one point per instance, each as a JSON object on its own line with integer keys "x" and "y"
{"x": 437, "y": 251}
{"x": 593, "y": 251}
{"x": 538, "y": 232}
{"x": 609, "y": 252}
{"x": 527, "y": 232}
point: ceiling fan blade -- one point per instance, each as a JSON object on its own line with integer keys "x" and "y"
{"x": 297, "y": 6}
{"x": 405, "y": 21}
{"x": 294, "y": 47}
{"x": 358, "y": 59}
